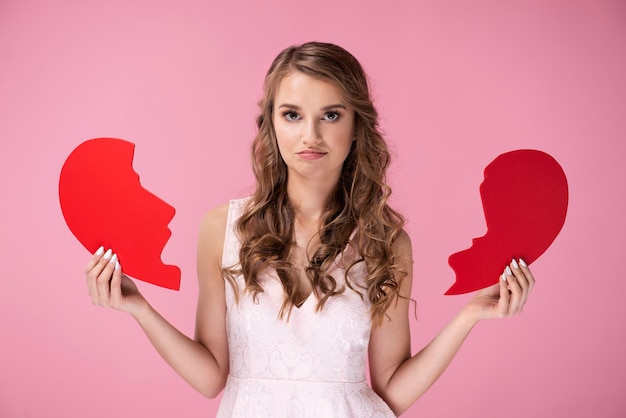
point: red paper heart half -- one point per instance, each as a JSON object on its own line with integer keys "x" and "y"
{"x": 525, "y": 198}
{"x": 104, "y": 204}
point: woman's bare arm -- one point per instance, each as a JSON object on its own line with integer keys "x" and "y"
{"x": 399, "y": 378}
{"x": 203, "y": 361}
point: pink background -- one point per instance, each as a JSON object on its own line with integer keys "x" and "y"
{"x": 457, "y": 83}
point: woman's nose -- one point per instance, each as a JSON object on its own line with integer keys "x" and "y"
{"x": 311, "y": 134}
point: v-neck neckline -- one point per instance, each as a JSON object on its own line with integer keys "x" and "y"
{"x": 305, "y": 300}
{"x": 311, "y": 294}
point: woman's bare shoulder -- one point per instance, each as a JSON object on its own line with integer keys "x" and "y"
{"x": 212, "y": 233}
{"x": 216, "y": 217}
{"x": 402, "y": 245}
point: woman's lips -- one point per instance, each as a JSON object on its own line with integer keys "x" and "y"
{"x": 310, "y": 154}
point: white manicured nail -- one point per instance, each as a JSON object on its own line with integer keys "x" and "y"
{"x": 113, "y": 259}
{"x": 515, "y": 264}
{"x": 107, "y": 255}
{"x": 100, "y": 250}
{"x": 522, "y": 262}
{"x": 503, "y": 277}
{"x": 117, "y": 265}
{"x": 508, "y": 271}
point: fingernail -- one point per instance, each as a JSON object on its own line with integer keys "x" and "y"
{"x": 515, "y": 265}
{"x": 107, "y": 255}
{"x": 113, "y": 259}
{"x": 503, "y": 277}
{"x": 522, "y": 262}
{"x": 100, "y": 250}
{"x": 508, "y": 271}
{"x": 117, "y": 265}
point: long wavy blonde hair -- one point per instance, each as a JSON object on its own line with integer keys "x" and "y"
{"x": 359, "y": 203}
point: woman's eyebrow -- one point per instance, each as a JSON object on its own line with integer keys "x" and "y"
{"x": 296, "y": 107}
{"x": 335, "y": 106}
{"x": 290, "y": 106}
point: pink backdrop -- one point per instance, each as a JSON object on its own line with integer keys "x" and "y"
{"x": 457, "y": 84}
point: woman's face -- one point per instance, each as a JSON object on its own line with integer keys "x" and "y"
{"x": 314, "y": 127}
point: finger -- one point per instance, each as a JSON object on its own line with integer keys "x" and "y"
{"x": 94, "y": 260}
{"x": 503, "y": 302}
{"x": 516, "y": 291}
{"x": 522, "y": 280}
{"x": 92, "y": 273}
{"x": 95, "y": 273}
{"x": 116, "y": 286}
{"x": 529, "y": 276}
{"x": 104, "y": 278}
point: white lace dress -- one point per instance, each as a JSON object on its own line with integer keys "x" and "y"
{"x": 310, "y": 366}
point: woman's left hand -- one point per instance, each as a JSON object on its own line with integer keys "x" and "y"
{"x": 506, "y": 298}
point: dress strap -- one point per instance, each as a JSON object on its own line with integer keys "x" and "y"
{"x": 230, "y": 253}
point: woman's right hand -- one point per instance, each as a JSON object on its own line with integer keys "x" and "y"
{"x": 109, "y": 287}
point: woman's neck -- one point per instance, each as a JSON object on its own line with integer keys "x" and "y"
{"x": 309, "y": 199}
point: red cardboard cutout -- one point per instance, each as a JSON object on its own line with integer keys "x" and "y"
{"x": 104, "y": 204}
{"x": 524, "y": 197}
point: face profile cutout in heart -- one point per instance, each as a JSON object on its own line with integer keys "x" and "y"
{"x": 104, "y": 204}
{"x": 525, "y": 198}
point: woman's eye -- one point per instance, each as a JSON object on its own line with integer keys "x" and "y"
{"x": 291, "y": 116}
{"x": 331, "y": 116}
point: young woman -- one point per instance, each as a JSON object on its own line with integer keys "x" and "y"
{"x": 305, "y": 280}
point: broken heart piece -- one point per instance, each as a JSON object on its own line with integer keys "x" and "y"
{"x": 525, "y": 198}
{"x": 104, "y": 204}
